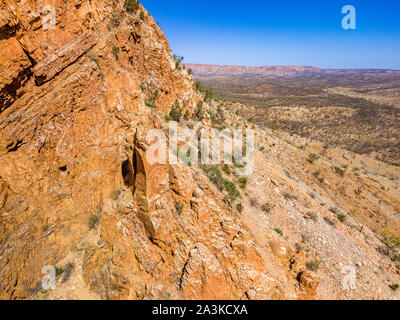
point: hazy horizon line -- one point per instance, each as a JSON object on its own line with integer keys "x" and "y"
{"x": 289, "y": 65}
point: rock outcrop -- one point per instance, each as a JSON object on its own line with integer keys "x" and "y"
{"x": 76, "y": 190}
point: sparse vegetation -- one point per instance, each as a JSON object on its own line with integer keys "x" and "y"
{"x": 288, "y": 196}
{"x": 94, "y": 221}
{"x": 176, "y": 111}
{"x": 227, "y": 169}
{"x": 330, "y": 222}
{"x": 179, "y": 207}
{"x": 199, "y": 110}
{"x": 178, "y": 61}
{"x": 131, "y": 6}
{"x": 239, "y": 207}
{"x": 279, "y": 231}
{"x": 215, "y": 176}
{"x": 339, "y": 171}
{"x": 390, "y": 239}
{"x": 342, "y": 218}
{"x": 394, "y": 286}
{"x": 317, "y": 173}
{"x": 312, "y": 216}
{"x": 115, "y": 51}
{"x": 333, "y": 210}
{"x": 312, "y": 157}
{"x": 46, "y": 229}
{"x": 115, "y": 194}
{"x": 254, "y": 202}
{"x": 313, "y": 265}
{"x": 266, "y": 207}
{"x": 208, "y": 93}
{"x": 59, "y": 271}
{"x": 274, "y": 98}
{"x": 151, "y": 102}
{"x": 114, "y": 20}
{"x": 243, "y": 183}
{"x": 186, "y": 116}
{"x": 69, "y": 268}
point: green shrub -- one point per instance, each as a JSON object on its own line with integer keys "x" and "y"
{"x": 215, "y": 176}
{"x": 115, "y": 20}
{"x": 312, "y": 157}
{"x": 342, "y": 217}
{"x": 254, "y": 202}
{"x": 391, "y": 239}
{"x": 239, "y": 207}
{"x": 230, "y": 187}
{"x": 289, "y": 196}
{"x": 176, "y": 111}
{"x": 115, "y": 51}
{"x": 131, "y": 6}
{"x": 141, "y": 15}
{"x": 187, "y": 115}
{"x": 279, "y": 231}
{"x": 199, "y": 110}
{"x": 227, "y": 169}
{"x": 312, "y": 216}
{"x": 396, "y": 258}
{"x": 59, "y": 271}
{"x": 394, "y": 287}
{"x": 151, "y": 102}
{"x": 179, "y": 207}
{"x": 178, "y": 60}
{"x": 243, "y": 183}
{"x": 94, "y": 221}
{"x": 266, "y": 207}
{"x": 329, "y": 221}
{"x": 317, "y": 173}
{"x": 358, "y": 191}
{"x": 340, "y": 171}
{"x": 208, "y": 94}
{"x": 313, "y": 265}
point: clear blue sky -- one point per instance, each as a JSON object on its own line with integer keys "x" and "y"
{"x": 287, "y": 32}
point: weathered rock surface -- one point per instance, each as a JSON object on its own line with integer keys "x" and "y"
{"x": 46, "y": 69}
{"x": 14, "y": 71}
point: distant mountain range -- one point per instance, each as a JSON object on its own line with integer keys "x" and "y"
{"x": 205, "y": 70}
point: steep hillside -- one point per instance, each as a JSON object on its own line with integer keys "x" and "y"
{"x": 76, "y": 191}
{"x": 339, "y": 208}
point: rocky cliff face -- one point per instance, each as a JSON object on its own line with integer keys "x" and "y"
{"x": 76, "y": 191}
